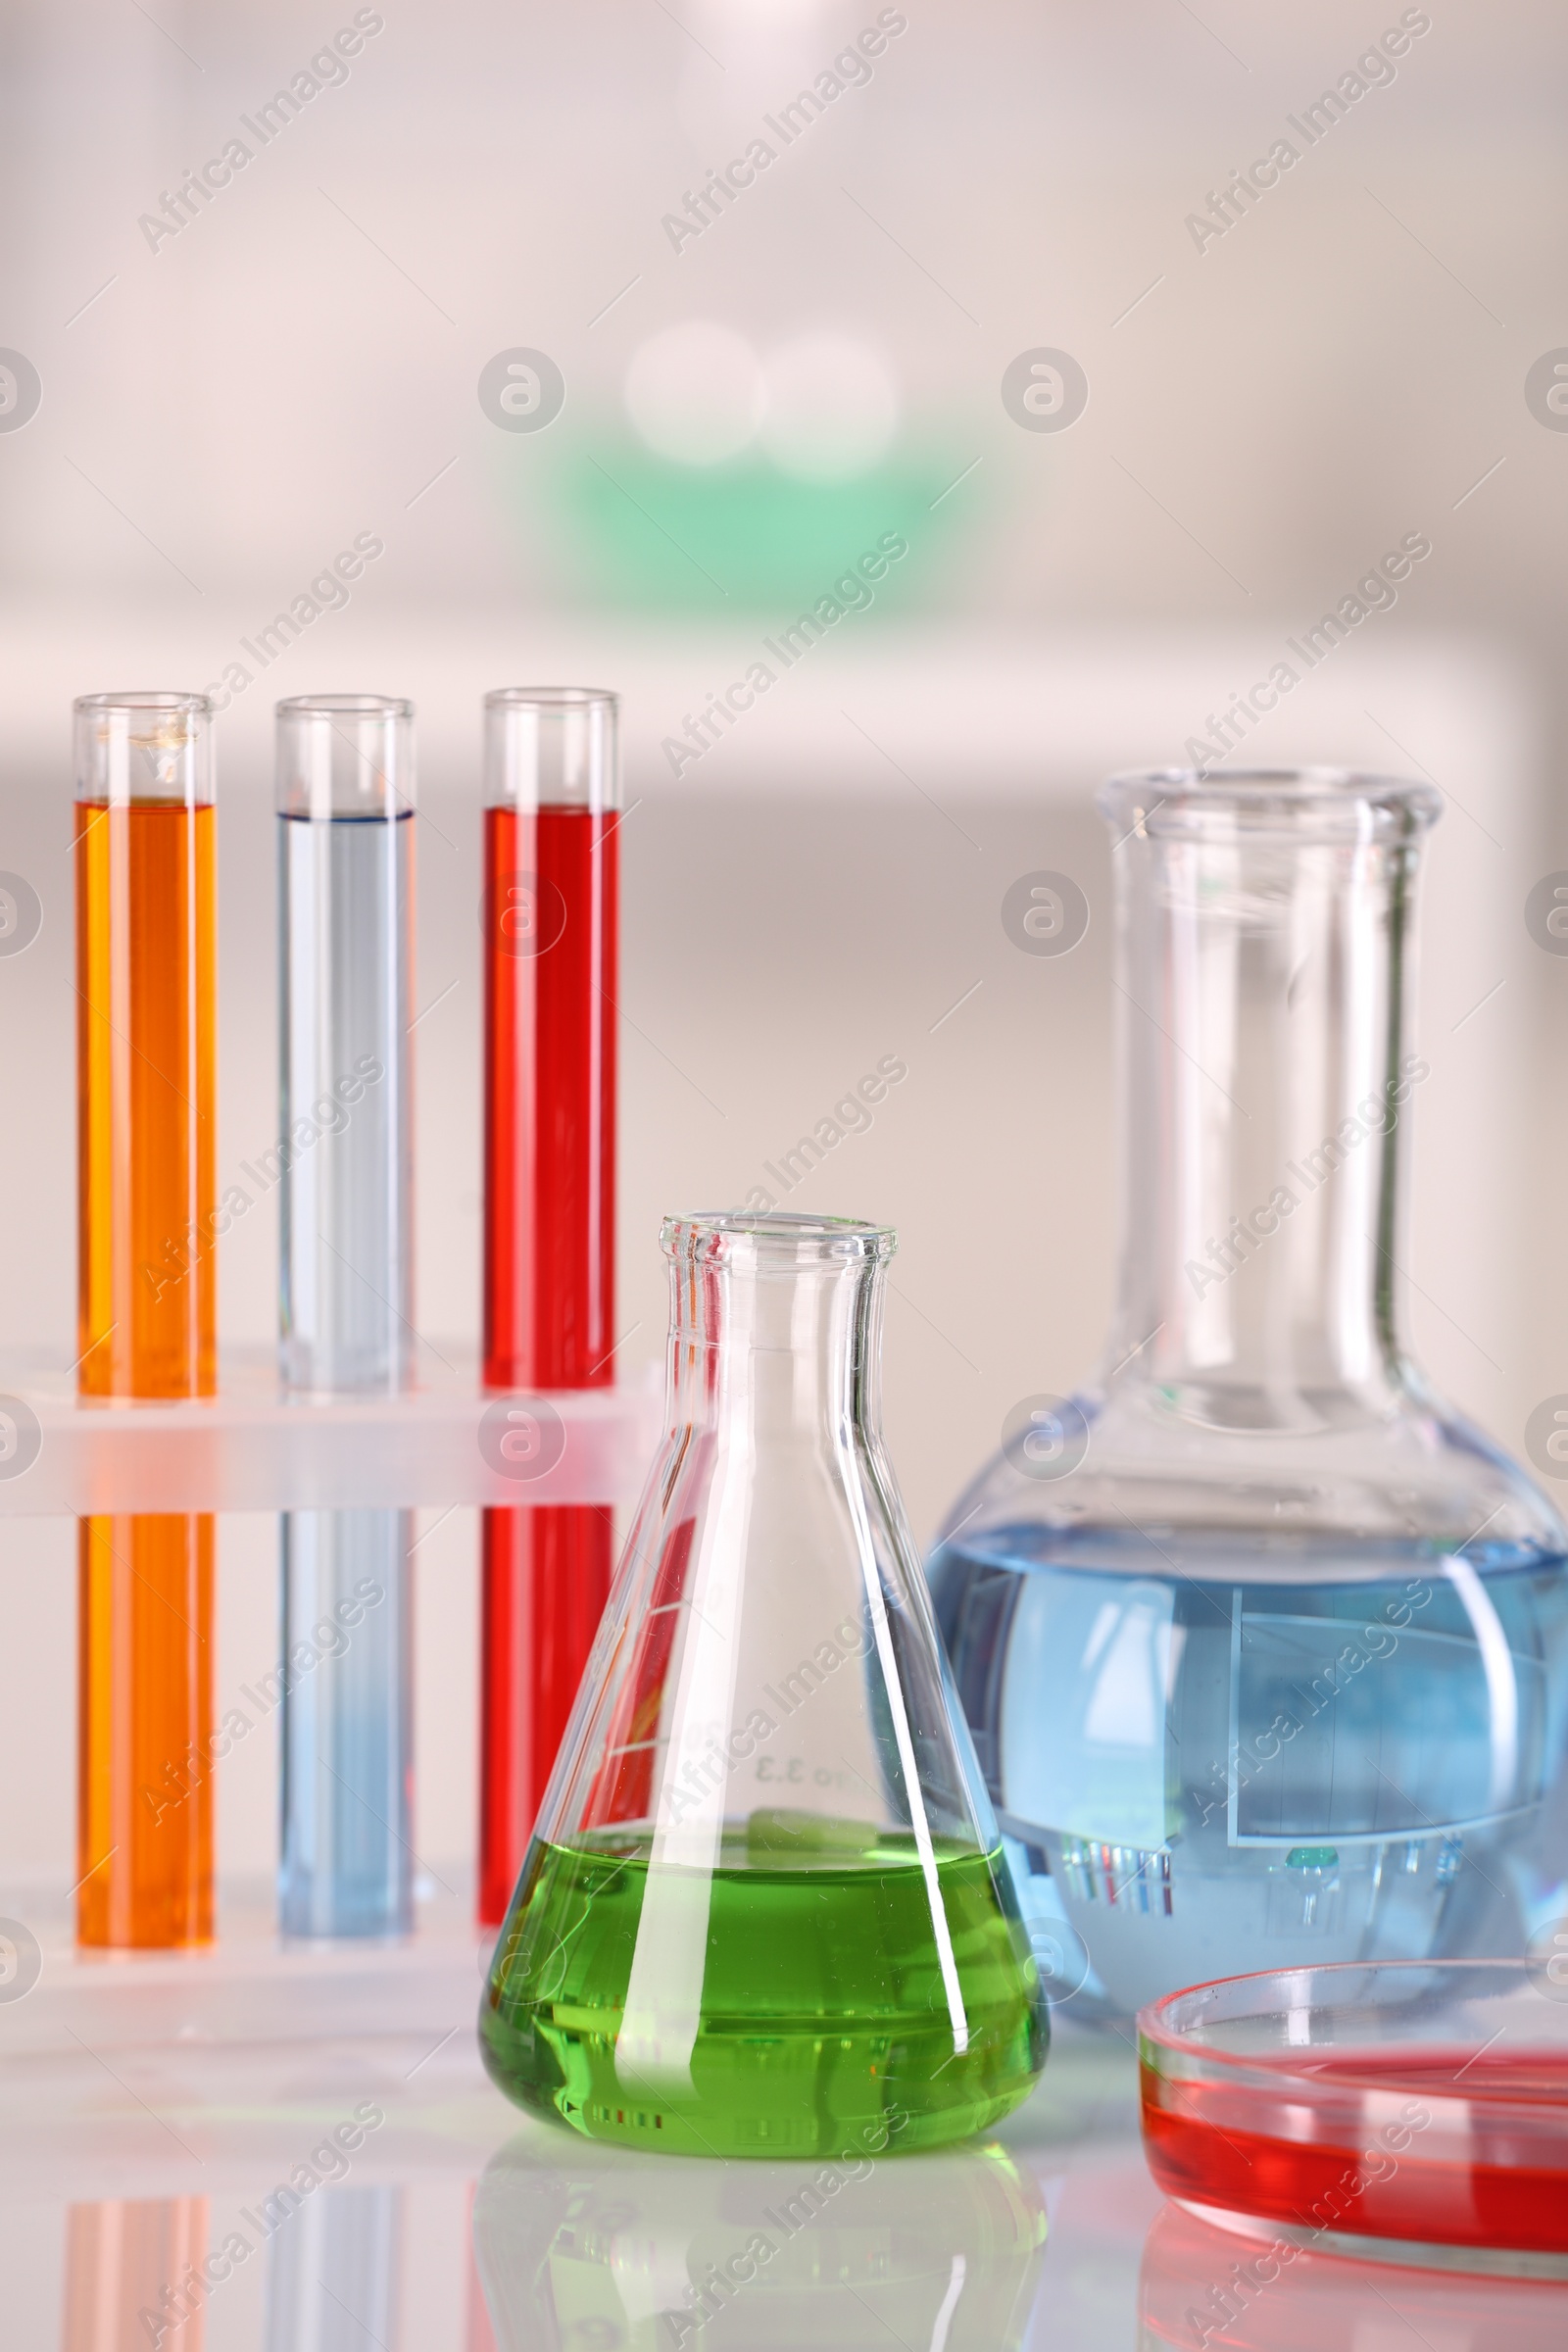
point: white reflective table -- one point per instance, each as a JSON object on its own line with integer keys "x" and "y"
{"x": 264, "y": 2151}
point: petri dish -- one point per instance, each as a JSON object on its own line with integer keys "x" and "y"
{"x": 1409, "y": 2110}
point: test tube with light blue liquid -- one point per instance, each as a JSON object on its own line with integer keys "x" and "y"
{"x": 345, "y": 822}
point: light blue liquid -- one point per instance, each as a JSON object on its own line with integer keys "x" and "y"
{"x": 346, "y": 1133}
{"x": 347, "y": 1863}
{"x": 1200, "y": 1771}
{"x": 345, "y": 957}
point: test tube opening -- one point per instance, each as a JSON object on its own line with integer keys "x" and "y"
{"x": 345, "y": 756}
{"x": 143, "y": 744}
{"x": 551, "y": 747}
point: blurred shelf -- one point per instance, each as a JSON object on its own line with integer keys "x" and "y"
{"x": 250, "y": 1449}
{"x": 883, "y": 708}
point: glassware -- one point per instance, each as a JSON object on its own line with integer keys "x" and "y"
{"x": 764, "y": 1909}
{"x": 1264, "y": 1649}
{"x": 345, "y": 827}
{"x": 551, "y": 925}
{"x": 148, "y": 1224}
{"x": 1408, "y": 2104}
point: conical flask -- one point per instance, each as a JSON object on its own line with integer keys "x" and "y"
{"x": 764, "y": 1911}
{"x": 1263, "y": 1646}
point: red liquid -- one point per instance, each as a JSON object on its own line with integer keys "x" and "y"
{"x": 550, "y": 923}
{"x": 1488, "y": 2167}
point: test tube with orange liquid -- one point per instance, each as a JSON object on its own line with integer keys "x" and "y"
{"x": 145, "y": 1015}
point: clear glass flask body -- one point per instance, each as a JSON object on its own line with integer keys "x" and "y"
{"x": 764, "y": 1909}
{"x": 1265, "y": 1650}
{"x": 345, "y": 827}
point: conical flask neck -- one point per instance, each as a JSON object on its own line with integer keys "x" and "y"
{"x": 1264, "y": 965}
{"x": 784, "y": 1349}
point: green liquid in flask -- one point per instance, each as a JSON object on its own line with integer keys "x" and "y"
{"x": 825, "y": 2021}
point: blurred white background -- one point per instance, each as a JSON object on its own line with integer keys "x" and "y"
{"x": 222, "y": 409}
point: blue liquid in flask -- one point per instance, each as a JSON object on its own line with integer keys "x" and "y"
{"x": 1200, "y": 1770}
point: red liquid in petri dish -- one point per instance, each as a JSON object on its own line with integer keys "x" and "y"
{"x": 1431, "y": 2144}
{"x": 551, "y": 908}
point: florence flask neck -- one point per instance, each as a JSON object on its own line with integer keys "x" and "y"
{"x": 1265, "y": 969}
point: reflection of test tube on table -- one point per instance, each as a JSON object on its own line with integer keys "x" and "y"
{"x": 552, "y": 805}
{"x": 345, "y": 803}
{"x": 332, "y": 2274}
{"x": 144, "y": 827}
{"x": 138, "y": 2273}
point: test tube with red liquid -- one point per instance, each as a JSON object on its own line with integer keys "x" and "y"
{"x": 551, "y": 800}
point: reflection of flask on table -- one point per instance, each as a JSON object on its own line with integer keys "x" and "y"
{"x": 598, "y": 2246}
{"x": 1264, "y": 1649}
{"x": 551, "y": 857}
{"x": 345, "y": 800}
{"x": 144, "y": 828}
{"x": 764, "y": 1909}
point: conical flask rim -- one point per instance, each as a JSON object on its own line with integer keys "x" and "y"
{"x": 781, "y": 1236}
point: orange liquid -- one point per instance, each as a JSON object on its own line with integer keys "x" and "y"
{"x": 145, "y": 1146}
{"x": 145, "y": 1080}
